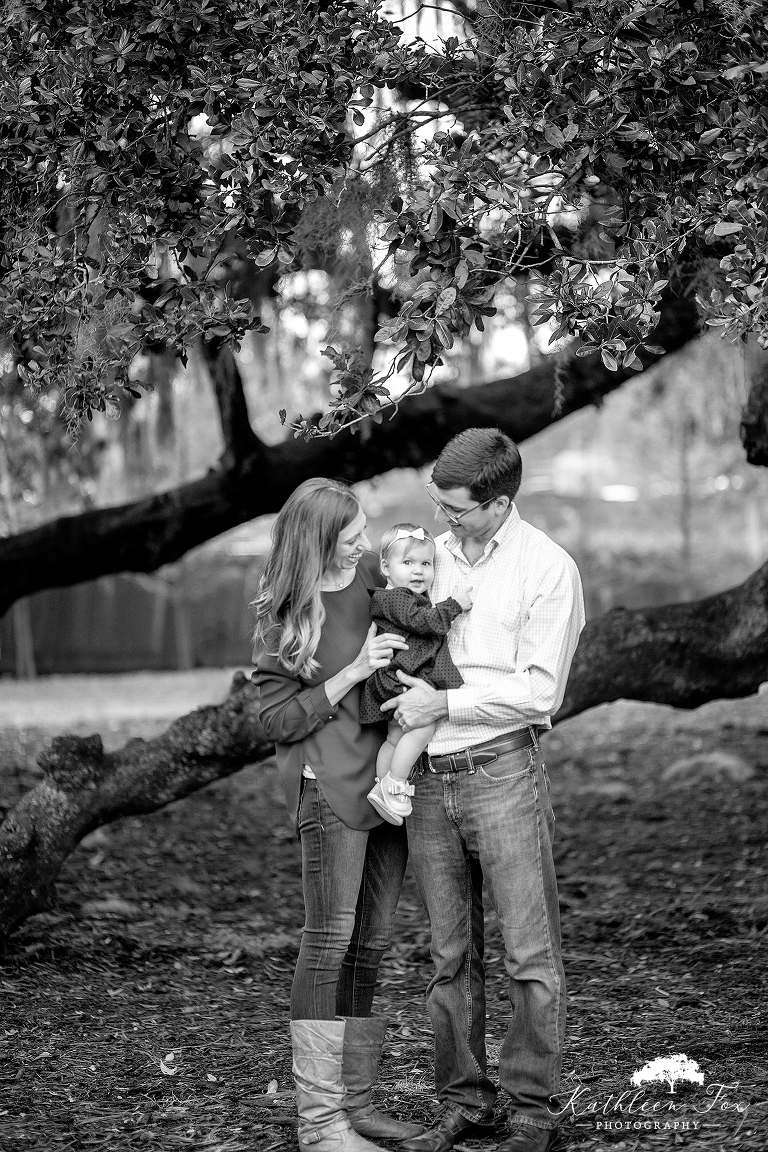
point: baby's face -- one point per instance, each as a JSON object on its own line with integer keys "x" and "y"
{"x": 410, "y": 564}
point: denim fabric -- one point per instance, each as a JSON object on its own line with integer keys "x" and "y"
{"x": 493, "y": 826}
{"x": 351, "y": 881}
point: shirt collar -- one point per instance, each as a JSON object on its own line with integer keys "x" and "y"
{"x": 503, "y": 534}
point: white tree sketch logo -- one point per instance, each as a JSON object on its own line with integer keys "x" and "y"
{"x": 670, "y": 1069}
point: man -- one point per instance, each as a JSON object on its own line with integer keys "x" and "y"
{"x": 481, "y": 812}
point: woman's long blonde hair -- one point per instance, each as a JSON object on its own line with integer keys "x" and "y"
{"x": 289, "y": 608}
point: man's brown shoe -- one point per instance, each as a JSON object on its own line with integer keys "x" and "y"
{"x": 444, "y": 1133}
{"x": 528, "y": 1138}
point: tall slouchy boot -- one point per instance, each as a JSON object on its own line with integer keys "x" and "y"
{"x": 317, "y": 1057}
{"x": 363, "y": 1038}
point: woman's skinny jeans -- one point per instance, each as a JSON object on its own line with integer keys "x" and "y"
{"x": 351, "y": 881}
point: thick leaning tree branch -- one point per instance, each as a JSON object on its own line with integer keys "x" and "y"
{"x": 142, "y": 536}
{"x": 679, "y": 654}
{"x": 84, "y": 787}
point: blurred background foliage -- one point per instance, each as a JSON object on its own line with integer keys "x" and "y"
{"x": 650, "y": 491}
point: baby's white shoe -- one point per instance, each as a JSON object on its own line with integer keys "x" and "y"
{"x": 392, "y": 798}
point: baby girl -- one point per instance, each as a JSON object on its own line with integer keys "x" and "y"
{"x": 407, "y": 555}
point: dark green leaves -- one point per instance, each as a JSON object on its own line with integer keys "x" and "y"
{"x": 612, "y": 148}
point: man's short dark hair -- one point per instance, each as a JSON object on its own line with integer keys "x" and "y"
{"x": 483, "y": 460}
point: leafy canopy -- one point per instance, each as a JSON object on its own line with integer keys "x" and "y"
{"x": 609, "y": 151}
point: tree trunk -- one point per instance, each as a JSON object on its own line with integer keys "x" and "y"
{"x": 754, "y": 426}
{"x": 23, "y": 641}
{"x": 255, "y": 479}
{"x": 679, "y": 654}
{"x": 685, "y": 434}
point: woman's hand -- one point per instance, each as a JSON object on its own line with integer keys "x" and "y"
{"x": 376, "y": 652}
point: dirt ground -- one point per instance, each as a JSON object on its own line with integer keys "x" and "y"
{"x": 149, "y": 1008}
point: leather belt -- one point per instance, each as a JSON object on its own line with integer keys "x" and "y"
{"x": 469, "y": 759}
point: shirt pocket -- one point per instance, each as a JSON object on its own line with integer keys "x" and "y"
{"x": 496, "y": 618}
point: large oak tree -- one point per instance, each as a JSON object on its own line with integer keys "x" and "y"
{"x": 611, "y": 155}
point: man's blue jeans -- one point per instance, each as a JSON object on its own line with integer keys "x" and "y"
{"x": 494, "y": 825}
{"x": 351, "y": 881}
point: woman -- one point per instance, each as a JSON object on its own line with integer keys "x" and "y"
{"x": 314, "y": 646}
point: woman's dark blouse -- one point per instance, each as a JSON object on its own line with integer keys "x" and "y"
{"x": 307, "y": 729}
{"x": 425, "y": 626}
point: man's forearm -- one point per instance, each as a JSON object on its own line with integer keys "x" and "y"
{"x": 439, "y": 706}
{"x": 513, "y": 701}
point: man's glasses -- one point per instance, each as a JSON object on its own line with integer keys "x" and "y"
{"x": 455, "y": 517}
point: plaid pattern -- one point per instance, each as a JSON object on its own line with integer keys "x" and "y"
{"x": 514, "y": 647}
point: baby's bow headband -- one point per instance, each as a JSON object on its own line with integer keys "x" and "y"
{"x": 404, "y": 533}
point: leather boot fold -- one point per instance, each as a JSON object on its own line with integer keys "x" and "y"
{"x": 363, "y": 1038}
{"x": 317, "y": 1056}
{"x": 446, "y": 1131}
{"x": 526, "y": 1138}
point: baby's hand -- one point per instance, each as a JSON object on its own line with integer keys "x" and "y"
{"x": 462, "y": 598}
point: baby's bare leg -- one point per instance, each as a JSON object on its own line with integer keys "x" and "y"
{"x": 386, "y": 752}
{"x": 408, "y": 749}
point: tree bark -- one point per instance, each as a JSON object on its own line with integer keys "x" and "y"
{"x": 84, "y": 787}
{"x": 241, "y": 442}
{"x": 679, "y": 654}
{"x": 256, "y": 479}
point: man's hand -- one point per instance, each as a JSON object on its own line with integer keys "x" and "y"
{"x": 419, "y": 705}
